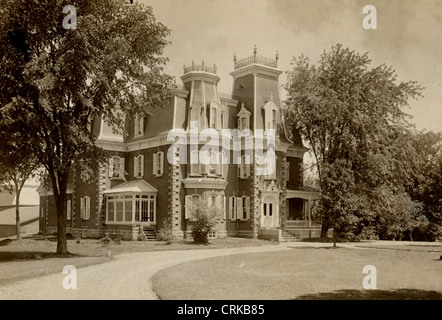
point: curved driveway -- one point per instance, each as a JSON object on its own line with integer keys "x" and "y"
{"x": 127, "y": 276}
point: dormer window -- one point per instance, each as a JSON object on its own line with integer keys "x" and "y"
{"x": 243, "y": 118}
{"x": 271, "y": 115}
{"x": 139, "y": 126}
{"x": 215, "y": 116}
{"x": 196, "y": 116}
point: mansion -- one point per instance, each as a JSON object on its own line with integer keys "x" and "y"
{"x": 139, "y": 189}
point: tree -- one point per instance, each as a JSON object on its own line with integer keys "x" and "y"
{"x": 351, "y": 116}
{"x": 17, "y": 165}
{"x": 426, "y": 186}
{"x": 55, "y": 82}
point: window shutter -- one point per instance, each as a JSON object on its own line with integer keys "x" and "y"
{"x": 239, "y": 204}
{"x": 187, "y": 204}
{"x": 247, "y": 205}
{"x": 135, "y": 167}
{"x": 247, "y": 168}
{"x": 218, "y": 119}
{"x": 218, "y": 202}
{"x": 155, "y": 165}
{"x": 286, "y": 171}
{"x": 161, "y": 160}
{"x": 231, "y": 208}
{"x": 111, "y": 167}
{"x": 121, "y": 173}
{"x": 88, "y": 207}
{"x": 142, "y": 166}
{"x": 212, "y": 117}
{"x": 68, "y": 210}
{"x": 82, "y": 208}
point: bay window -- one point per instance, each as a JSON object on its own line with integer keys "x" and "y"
{"x": 131, "y": 208}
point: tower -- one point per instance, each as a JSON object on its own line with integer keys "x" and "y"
{"x": 255, "y": 82}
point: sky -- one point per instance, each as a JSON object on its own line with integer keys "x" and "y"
{"x": 408, "y": 37}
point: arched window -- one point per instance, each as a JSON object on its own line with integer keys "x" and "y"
{"x": 190, "y": 201}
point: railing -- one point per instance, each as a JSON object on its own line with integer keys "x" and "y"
{"x": 241, "y": 63}
{"x": 255, "y": 59}
{"x": 200, "y": 67}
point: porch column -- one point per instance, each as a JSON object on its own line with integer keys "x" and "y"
{"x": 309, "y": 213}
{"x": 133, "y": 209}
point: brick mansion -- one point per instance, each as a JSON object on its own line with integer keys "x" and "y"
{"x": 139, "y": 189}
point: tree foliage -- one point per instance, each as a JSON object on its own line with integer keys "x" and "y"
{"x": 54, "y": 82}
{"x": 351, "y": 115}
{"x": 204, "y": 218}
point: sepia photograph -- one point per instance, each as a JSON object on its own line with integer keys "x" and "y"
{"x": 221, "y": 155}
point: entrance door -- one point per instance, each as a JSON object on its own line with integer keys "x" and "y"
{"x": 270, "y": 213}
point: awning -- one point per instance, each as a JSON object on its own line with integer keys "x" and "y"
{"x": 134, "y": 186}
{"x": 303, "y": 194}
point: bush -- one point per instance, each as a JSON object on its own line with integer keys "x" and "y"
{"x": 165, "y": 233}
{"x": 106, "y": 240}
{"x": 117, "y": 240}
{"x": 427, "y": 231}
{"x": 204, "y": 219}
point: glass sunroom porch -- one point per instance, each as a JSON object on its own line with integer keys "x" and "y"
{"x": 132, "y": 202}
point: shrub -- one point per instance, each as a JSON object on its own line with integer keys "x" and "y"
{"x": 117, "y": 240}
{"x": 427, "y": 231}
{"x": 106, "y": 240}
{"x": 204, "y": 219}
{"x": 165, "y": 233}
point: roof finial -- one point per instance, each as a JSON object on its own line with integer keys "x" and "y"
{"x": 255, "y": 51}
{"x": 277, "y": 58}
{"x": 203, "y": 63}
{"x": 271, "y": 98}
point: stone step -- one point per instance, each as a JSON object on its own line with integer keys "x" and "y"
{"x": 150, "y": 233}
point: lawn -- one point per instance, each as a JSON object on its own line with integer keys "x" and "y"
{"x": 34, "y": 257}
{"x": 307, "y": 273}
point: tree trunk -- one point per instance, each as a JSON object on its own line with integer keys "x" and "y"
{"x": 59, "y": 186}
{"x": 17, "y": 214}
{"x": 324, "y": 228}
{"x": 62, "y": 246}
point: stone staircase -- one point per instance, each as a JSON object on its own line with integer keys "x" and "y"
{"x": 289, "y": 237}
{"x": 150, "y": 233}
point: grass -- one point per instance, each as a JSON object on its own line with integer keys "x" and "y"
{"x": 34, "y": 257}
{"x": 306, "y": 273}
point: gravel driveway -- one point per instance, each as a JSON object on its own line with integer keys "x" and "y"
{"x": 127, "y": 276}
